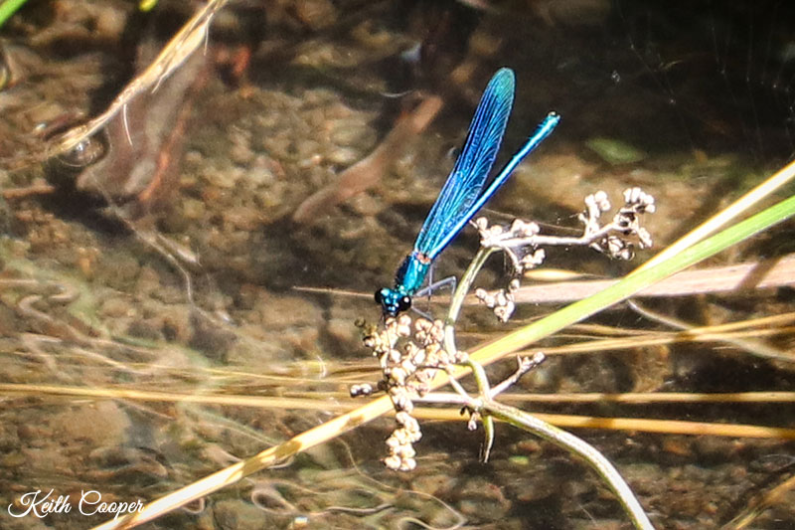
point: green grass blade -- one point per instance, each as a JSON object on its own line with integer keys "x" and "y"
{"x": 8, "y": 8}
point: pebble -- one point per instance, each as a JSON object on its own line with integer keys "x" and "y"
{"x": 239, "y": 515}
{"x": 343, "y": 156}
{"x": 351, "y": 133}
{"x": 116, "y": 307}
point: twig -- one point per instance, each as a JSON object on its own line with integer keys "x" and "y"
{"x": 367, "y": 172}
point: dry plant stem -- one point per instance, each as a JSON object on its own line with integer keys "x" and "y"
{"x": 449, "y": 339}
{"x": 754, "y": 347}
{"x": 262, "y": 402}
{"x": 488, "y": 409}
{"x": 23, "y": 193}
{"x": 745, "y": 276}
{"x": 764, "y": 327}
{"x": 368, "y": 171}
{"x": 693, "y": 428}
{"x": 560, "y": 420}
{"x": 267, "y": 458}
{"x": 658, "y": 397}
{"x": 770, "y": 498}
{"x": 595, "y": 397}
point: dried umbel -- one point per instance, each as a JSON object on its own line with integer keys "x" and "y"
{"x": 524, "y": 244}
{"x": 625, "y": 228}
{"x": 410, "y": 355}
{"x": 501, "y": 302}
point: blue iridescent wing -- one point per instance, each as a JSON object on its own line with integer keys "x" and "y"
{"x": 453, "y": 207}
{"x": 544, "y": 129}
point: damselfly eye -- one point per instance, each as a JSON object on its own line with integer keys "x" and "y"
{"x": 404, "y": 304}
{"x": 379, "y": 299}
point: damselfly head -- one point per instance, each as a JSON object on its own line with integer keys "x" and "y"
{"x": 392, "y": 302}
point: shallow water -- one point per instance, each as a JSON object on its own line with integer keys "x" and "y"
{"x": 196, "y": 287}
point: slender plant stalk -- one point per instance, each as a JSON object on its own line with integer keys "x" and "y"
{"x": 439, "y": 414}
{"x": 576, "y": 446}
{"x": 460, "y": 295}
{"x": 693, "y": 428}
{"x": 489, "y": 409}
{"x": 766, "y": 274}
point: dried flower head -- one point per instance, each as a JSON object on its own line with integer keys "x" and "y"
{"x": 524, "y": 243}
{"x": 409, "y": 357}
